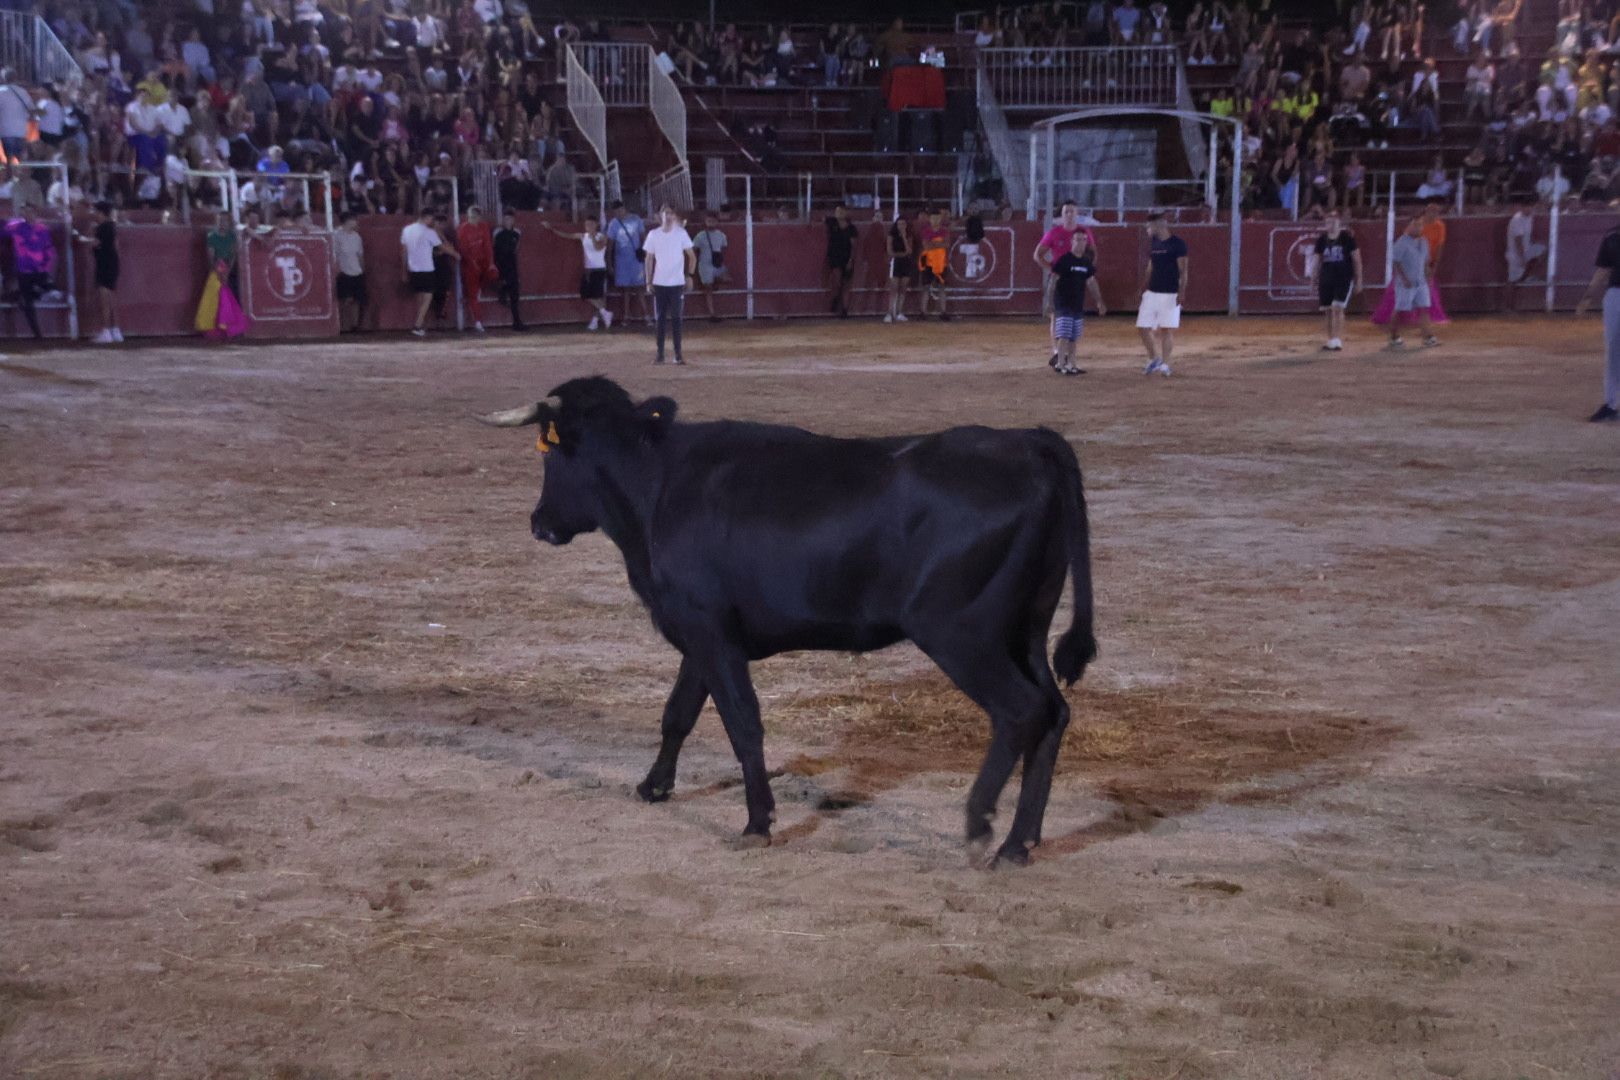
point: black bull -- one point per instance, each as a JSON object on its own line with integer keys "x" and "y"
{"x": 747, "y": 540}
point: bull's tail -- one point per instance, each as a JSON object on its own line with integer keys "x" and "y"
{"x": 1077, "y": 647}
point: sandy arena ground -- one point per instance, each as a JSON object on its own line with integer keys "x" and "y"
{"x": 314, "y": 764}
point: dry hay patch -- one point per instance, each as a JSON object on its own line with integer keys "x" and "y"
{"x": 1156, "y": 752}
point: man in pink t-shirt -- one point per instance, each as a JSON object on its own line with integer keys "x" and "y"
{"x": 1053, "y": 246}
{"x": 35, "y": 259}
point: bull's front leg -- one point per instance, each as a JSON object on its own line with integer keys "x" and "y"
{"x": 681, "y": 711}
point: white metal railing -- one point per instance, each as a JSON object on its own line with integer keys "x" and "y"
{"x": 999, "y": 137}
{"x": 1042, "y": 78}
{"x": 673, "y": 187}
{"x": 612, "y": 185}
{"x": 667, "y": 105}
{"x": 55, "y": 64}
{"x": 31, "y": 48}
{"x": 619, "y": 69}
{"x": 585, "y": 106}
{"x": 968, "y": 21}
{"x": 486, "y": 186}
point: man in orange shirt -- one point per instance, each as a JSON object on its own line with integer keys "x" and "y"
{"x": 1434, "y": 231}
{"x": 477, "y": 246}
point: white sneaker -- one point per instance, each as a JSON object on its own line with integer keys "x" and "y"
{"x": 888, "y": 318}
{"x": 1333, "y": 345}
{"x": 118, "y": 335}
{"x": 418, "y": 332}
{"x": 592, "y": 324}
{"x": 1164, "y": 369}
{"x": 607, "y": 318}
{"x": 103, "y": 338}
{"x": 901, "y": 317}
{"x": 478, "y": 326}
{"x": 1152, "y": 366}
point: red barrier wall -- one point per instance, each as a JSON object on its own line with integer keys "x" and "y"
{"x": 287, "y": 279}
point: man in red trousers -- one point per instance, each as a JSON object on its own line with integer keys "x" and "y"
{"x": 477, "y": 246}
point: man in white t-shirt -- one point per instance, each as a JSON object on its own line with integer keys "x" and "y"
{"x": 1522, "y": 254}
{"x": 670, "y": 262}
{"x": 419, "y": 241}
{"x": 173, "y": 119}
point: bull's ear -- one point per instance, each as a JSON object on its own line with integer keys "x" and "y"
{"x": 656, "y": 415}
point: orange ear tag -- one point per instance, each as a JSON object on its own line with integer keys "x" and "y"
{"x": 548, "y": 438}
{"x": 541, "y": 445}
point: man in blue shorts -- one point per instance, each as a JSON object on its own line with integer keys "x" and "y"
{"x": 626, "y": 233}
{"x": 1074, "y": 277}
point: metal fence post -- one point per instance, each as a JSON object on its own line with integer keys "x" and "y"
{"x": 748, "y": 236}
{"x": 455, "y": 268}
{"x": 1389, "y": 234}
{"x": 1553, "y": 227}
{"x": 1234, "y": 258}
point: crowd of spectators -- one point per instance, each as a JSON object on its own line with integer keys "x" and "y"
{"x": 1314, "y": 100}
{"x": 383, "y": 100}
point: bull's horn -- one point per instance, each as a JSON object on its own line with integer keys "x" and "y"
{"x": 528, "y": 414}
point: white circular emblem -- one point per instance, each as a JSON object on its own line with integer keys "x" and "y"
{"x": 290, "y": 273}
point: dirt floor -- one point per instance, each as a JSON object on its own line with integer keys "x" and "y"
{"x": 314, "y": 764}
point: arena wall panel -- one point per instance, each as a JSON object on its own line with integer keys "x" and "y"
{"x": 287, "y": 278}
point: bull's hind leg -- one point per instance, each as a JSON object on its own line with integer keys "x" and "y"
{"x": 1040, "y": 760}
{"x": 1016, "y": 706}
{"x": 681, "y": 711}
{"x": 726, "y": 675}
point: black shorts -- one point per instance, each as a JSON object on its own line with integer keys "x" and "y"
{"x": 1333, "y": 290}
{"x": 926, "y": 273}
{"x": 845, "y": 270}
{"x": 593, "y": 284}
{"x": 424, "y": 281}
{"x": 901, "y": 266}
{"x": 351, "y": 287}
{"x": 106, "y": 273}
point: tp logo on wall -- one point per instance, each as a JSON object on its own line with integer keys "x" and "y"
{"x": 983, "y": 269}
{"x": 290, "y": 275}
{"x": 289, "y": 278}
{"x": 1288, "y": 262}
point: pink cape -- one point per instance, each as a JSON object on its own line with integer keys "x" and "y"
{"x": 232, "y": 320}
{"x": 1386, "y": 307}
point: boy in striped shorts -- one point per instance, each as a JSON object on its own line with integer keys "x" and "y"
{"x": 1074, "y": 277}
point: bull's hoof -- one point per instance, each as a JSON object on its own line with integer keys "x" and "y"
{"x": 1010, "y": 854}
{"x": 749, "y": 841}
{"x": 653, "y": 792}
{"x": 978, "y": 852}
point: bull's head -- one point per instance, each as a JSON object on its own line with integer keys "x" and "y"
{"x": 593, "y": 440}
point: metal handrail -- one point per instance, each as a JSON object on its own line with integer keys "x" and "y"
{"x": 998, "y": 136}
{"x": 667, "y": 105}
{"x": 618, "y": 69}
{"x": 31, "y": 48}
{"x": 586, "y": 106}
{"x": 1048, "y": 78}
{"x": 674, "y": 186}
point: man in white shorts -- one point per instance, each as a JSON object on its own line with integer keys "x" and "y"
{"x": 1164, "y": 287}
{"x": 1409, "y": 261}
{"x": 1522, "y": 253}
